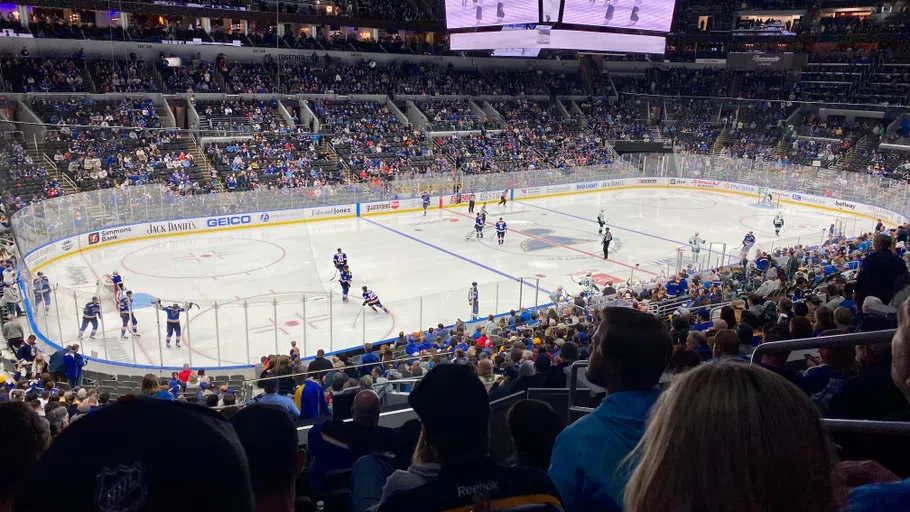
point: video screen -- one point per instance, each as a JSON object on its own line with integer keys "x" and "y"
{"x": 653, "y": 15}
{"x": 544, "y": 36}
{"x": 486, "y": 13}
{"x": 550, "y": 10}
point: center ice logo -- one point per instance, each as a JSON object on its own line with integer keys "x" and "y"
{"x": 544, "y": 238}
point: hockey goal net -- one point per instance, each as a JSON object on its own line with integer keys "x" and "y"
{"x": 107, "y": 291}
{"x": 768, "y": 198}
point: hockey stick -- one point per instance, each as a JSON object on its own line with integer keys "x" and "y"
{"x": 358, "y": 316}
{"x": 334, "y": 276}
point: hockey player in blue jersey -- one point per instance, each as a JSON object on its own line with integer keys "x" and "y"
{"x": 127, "y": 316}
{"x": 478, "y": 226}
{"x": 372, "y": 300}
{"x": 90, "y": 313}
{"x": 173, "y": 322}
{"x": 340, "y": 259}
{"x": 345, "y": 279}
{"x": 748, "y": 242}
{"x": 474, "y": 301}
{"x": 425, "y": 200}
{"x": 501, "y": 229}
{"x": 42, "y": 287}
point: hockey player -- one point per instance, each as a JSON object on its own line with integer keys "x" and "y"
{"x": 588, "y": 285}
{"x": 474, "y": 301}
{"x": 607, "y": 238}
{"x": 748, "y": 242}
{"x": 90, "y": 313}
{"x": 601, "y": 221}
{"x": 478, "y": 226}
{"x": 372, "y": 300}
{"x": 173, "y": 322}
{"x": 483, "y": 212}
{"x": 695, "y": 244}
{"x": 127, "y": 316}
{"x": 559, "y": 296}
{"x": 42, "y": 287}
{"x": 425, "y": 201}
{"x": 502, "y": 198}
{"x": 339, "y": 259}
{"x": 345, "y": 279}
{"x": 501, "y": 229}
{"x": 778, "y": 223}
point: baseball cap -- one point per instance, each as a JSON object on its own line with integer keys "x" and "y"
{"x": 451, "y": 402}
{"x": 126, "y": 455}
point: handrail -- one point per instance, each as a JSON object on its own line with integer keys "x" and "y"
{"x": 839, "y": 340}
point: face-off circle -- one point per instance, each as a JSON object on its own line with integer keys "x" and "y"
{"x": 203, "y": 257}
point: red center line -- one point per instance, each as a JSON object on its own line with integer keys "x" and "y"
{"x": 557, "y": 244}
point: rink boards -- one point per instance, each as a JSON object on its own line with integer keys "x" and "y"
{"x": 61, "y": 249}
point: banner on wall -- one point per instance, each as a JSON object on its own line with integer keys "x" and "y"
{"x": 764, "y": 61}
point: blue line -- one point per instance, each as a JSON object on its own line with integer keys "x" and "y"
{"x": 450, "y": 253}
{"x": 611, "y": 225}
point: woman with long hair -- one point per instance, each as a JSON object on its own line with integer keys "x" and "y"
{"x": 733, "y": 436}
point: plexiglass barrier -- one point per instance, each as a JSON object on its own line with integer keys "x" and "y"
{"x": 237, "y": 333}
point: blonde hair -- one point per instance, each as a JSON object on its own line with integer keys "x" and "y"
{"x": 732, "y": 433}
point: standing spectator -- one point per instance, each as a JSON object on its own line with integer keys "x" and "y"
{"x": 882, "y": 272}
{"x": 57, "y": 364}
{"x": 702, "y": 422}
{"x": 320, "y": 364}
{"x": 27, "y": 436}
{"x": 454, "y": 414}
{"x": 558, "y": 374}
{"x": 630, "y": 351}
{"x": 74, "y": 362}
{"x": 13, "y": 334}
{"x": 310, "y": 399}
{"x": 271, "y": 396}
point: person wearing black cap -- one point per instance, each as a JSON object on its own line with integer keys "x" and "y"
{"x": 126, "y": 461}
{"x": 454, "y": 412}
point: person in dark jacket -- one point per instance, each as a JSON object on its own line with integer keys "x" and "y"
{"x": 56, "y": 365}
{"x": 882, "y": 273}
{"x": 320, "y": 364}
{"x": 557, "y": 376}
{"x": 28, "y": 350}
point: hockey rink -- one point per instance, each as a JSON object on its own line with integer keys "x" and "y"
{"x": 258, "y": 289}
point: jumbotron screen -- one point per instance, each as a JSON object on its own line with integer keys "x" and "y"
{"x": 488, "y": 13}
{"x": 544, "y": 36}
{"x": 654, "y": 15}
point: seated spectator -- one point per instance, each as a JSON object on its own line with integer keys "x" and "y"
{"x": 335, "y": 445}
{"x": 454, "y": 413}
{"x": 141, "y": 476}
{"x": 533, "y": 427}
{"x": 706, "y": 405}
{"x": 630, "y": 351}
{"x": 271, "y": 396}
{"x": 269, "y": 439}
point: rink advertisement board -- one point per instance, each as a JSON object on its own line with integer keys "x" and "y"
{"x": 393, "y": 206}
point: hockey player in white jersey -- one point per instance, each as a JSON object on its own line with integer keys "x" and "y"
{"x": 778, "y": 223}
{"x": 601, "y": 221}
{"x": 559, "y": 296}
{"x": 588, "y": 285}
{"x": 695, "y": 243}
